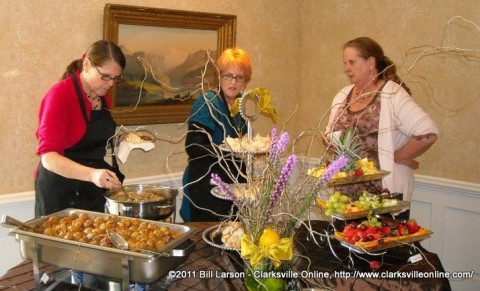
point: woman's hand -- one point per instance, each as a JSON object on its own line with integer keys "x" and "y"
{"x": 105, "y": 179}
{"x": 413, "y": 148}
{"x": 67, "y": 168}
{"x": 414, "y": 164}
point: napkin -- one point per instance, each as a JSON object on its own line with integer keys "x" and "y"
{"x": 125, "y": 147}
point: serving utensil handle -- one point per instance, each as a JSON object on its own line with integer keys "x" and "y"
{"x": 184, "y": 252}
{"x": 8, "y": 221}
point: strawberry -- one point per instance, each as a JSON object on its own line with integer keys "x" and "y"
{"x": 412, "y": 226}
{"x": 362, "y": 235}
{"x": 358, "y": 172}
{"x": 374, "y": 265}
{"x": 377, "y": 236}
{"x": 385, "y": 230}
{"x": 371, "y": 230}
{"x": 402, "y": 230}
{"x": 348, "y": 232}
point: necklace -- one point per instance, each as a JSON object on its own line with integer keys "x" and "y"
{"x": 95, "y": 100}
{"x": 360, "y": 96}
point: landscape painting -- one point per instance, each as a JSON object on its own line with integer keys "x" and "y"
{"x": 167, "y": 64}
{"x": 170, "y": 56}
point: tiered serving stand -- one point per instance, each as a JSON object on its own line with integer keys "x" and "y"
{"x": 356, "y": 250}
{"x": 212, "y": 235}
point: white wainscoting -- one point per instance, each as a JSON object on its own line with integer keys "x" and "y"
{"x": 451, "y": 209}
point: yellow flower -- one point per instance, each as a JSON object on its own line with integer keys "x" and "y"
{"x": 264, "y": 103}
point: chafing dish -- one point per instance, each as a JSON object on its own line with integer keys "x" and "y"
{"x": 123, "y": 265}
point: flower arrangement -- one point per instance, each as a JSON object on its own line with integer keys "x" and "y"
{"x": 270, "y": 215}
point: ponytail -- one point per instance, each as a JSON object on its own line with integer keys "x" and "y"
{"x": 72, "y": 68}
{"x": 389, "y": 72}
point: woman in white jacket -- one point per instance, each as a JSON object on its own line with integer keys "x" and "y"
{"x": 392, "y": 128}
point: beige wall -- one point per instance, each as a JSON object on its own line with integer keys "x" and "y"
{"x": 444, "y": 84}
{"x": 40, "y": 37}
{"x": 296, "y": 51}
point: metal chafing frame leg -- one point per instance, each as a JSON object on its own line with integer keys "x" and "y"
{"x": 36, "y": 269}
{"x": 125, "y": 273}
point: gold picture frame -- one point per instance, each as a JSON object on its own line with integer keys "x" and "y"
{"x": 121, "y": 19}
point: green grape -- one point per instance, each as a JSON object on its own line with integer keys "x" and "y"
{"x": 329, "y": 212}
{"x": 341, "y": 208}
{"x": 344, "y": 198}
{"x": 367, "y": 204}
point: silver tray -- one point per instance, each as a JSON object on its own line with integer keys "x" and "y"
{"x": 219, "y": 194}
{"x": 105, "y": 261}
{"x": 213, "y": 237}
{"x": 360, "y": 214}
{"x": 227, "y": 148}
{"x": 384, "y": 246}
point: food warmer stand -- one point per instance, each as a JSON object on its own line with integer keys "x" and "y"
{"x": 107, "y": 263}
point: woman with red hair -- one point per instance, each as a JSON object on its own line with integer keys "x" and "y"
{"x": 210, "y": 122}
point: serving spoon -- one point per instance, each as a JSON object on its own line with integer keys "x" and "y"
{"x": 120, "y": 243}
{"x": 10, "y": 221}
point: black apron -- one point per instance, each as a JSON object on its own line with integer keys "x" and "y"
{"x": 54, "y": 192}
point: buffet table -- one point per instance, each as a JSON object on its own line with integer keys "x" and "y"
{"x": 207, "y": 268}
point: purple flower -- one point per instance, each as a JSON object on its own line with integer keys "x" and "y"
{"x": 278, "y": 146}
{"x": 222, "y": 186}
{"x": 281, "y": 182}
{"x": 333, "y": 169}
{"x": 273, "y": 136}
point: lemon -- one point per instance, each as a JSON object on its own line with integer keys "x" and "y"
{"x": 269, "y": 237}
{"x": 274, "y": 284}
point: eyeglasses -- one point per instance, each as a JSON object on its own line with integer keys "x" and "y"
{"x": 229, "y": 77}
{"x": 105, "y": 77}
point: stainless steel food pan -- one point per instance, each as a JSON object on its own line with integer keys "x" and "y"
{"x": 154, "y": 210}
{"x": 105, "y": 261}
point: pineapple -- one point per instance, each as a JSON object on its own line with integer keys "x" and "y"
{"x": 350, "y": 146}
{"x": 347, "y": 145}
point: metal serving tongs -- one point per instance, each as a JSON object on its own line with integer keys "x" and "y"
{"x": 8, "y": 221}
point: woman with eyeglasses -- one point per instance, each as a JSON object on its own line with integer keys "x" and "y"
{"x": 209, "y": 124}
{"x": 74, "y": 128}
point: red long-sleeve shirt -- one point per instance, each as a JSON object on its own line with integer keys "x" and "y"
{"x": 60, "y": 121}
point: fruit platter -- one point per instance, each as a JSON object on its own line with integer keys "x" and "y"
{"x": 361, "y": 170}
{"x": 358, "y": 178}
{"x": 374, "y": 235}
{"x": 343, "y": 207}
